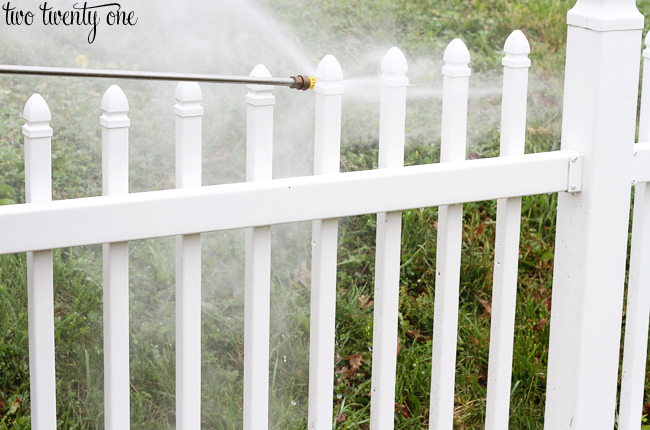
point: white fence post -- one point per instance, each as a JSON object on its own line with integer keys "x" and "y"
{"x": 506, "y": 258}
{"x": 259, "y": 164}
{"x": 600, "y": 94}
{"x": 40, "y": 288}
{"x": 638, "y": 291}
{"x": 327, "y": 154}
{"x": 115, "y": 181}
{"x": 450, "y": 237}
{"x": 188, "y": 112}
{"x": 389, "y": 244}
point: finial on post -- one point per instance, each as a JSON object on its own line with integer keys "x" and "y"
{"x": 188, "y": 96}
{"x": 394, "y": 68}
{"x": 115, "y": 106}
{"x": 456, "y": 59}
{"x": 329, "y": 75}
{"x": 37, "y": 116}
{"x": 260, "y": 94}
{"x": 517, "y": 49}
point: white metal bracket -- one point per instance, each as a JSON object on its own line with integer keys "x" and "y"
{"x": 574, "y": 184}
{"x": 641, "y": 163}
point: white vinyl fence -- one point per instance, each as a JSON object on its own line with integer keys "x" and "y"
{"x": 593, "y": 172}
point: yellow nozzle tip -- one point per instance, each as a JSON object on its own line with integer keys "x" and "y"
{"x": 313, "y": 82}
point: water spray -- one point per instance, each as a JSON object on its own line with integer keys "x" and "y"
{"x": 298, "y": 82}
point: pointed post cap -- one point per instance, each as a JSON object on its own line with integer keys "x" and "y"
{"x": 115, "y": 106}
{"x": 188, "y": 92}
{"x": 188, "y": 97}
{"x": 114, "y": 100}
{"x": 329, "y": 76}
{"x": 605, "y": 15}
{"x": 517, "y": 49}
{"x": 394, "y": 68}
{"x": 260, "y": 71}
{"x": 329, "y": 69}
{"x": 37, "y": 110}
{"x": 260, "y": 95}
{"x": 456, "y": 59}
{"x": 37, "y": 118}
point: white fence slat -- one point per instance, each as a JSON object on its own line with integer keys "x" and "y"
{"x": 259, "y": 163}
{"x": 506, "y": 258}
{"x": 638, "y": 293}
{"x": 40, "y": 288}
{"x": 599, "y": 116}
{"x": 115, "y": 181}
{"x": 40, "y": 291}
{"x": 188, "y": 112}
{"x": 327, "y": 153}
{"x": 388, "y": 248}
{"x": 450, "y": 235}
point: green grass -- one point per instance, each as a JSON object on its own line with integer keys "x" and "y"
{"x": 421, "y": 28}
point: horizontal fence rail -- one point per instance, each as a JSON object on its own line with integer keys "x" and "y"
{"x": 87, "y": 221}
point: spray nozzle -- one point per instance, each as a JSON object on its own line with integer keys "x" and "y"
{"x": 303, "y": 82}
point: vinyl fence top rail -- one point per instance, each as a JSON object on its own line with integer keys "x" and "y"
{"x": 92, "y": 220}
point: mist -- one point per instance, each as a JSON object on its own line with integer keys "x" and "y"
{"x": 231, "y": 37}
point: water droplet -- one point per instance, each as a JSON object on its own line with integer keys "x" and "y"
{"x": 339, "y": 396}
{"x": 498, "y": 263}
{"x": 438, "y": 273}
{"x": 313, "y": 243}
{"x": 293, "y": 403}
{"x": 284, "y": 358}
{"x": 421, "y": 209}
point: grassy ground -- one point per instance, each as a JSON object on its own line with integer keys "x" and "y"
{"x": 419, "y": 27}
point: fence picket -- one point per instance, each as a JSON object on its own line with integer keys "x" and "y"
{"x": 638, "y": 293}
{"x": 40, "y": 288}
{"x": 188, "y": 112}
{"x": 450, "y": 235}
{"x": 506, "y": 258}
{"x": 327, "y": 153}
{"x": 259, "y": 163}
{"x": 388, "y": 249}
{"x": 115, "y": 181}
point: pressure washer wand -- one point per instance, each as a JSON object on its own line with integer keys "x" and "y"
{"x": 299, "y": 82}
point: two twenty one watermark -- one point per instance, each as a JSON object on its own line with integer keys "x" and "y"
{"x": 78, "y": 15}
